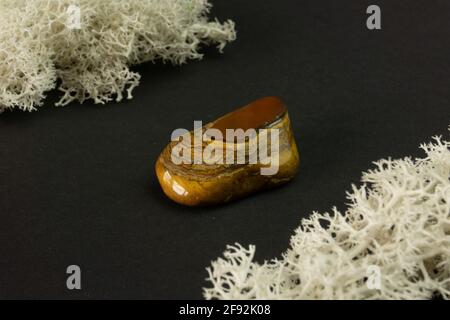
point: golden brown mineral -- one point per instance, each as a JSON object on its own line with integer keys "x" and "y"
{"x": 250, "y": 149}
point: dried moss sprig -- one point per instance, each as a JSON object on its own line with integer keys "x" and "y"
{"x": 38, "y": 45}
{"x": 398, "y": 221}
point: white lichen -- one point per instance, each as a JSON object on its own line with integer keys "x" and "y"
{"x": 398, "y": 221}
{"x": 40, "y": 49}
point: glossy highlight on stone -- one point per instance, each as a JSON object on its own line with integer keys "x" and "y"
{"x": 201, "y": 184}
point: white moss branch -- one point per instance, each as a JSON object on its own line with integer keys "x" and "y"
{"x": 398, "y": 221}
{"x": 38, "y": 47}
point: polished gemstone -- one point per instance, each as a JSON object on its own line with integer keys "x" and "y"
{"x": 245, "y": 151}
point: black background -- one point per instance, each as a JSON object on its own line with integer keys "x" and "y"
{"x": 77, "y": 184}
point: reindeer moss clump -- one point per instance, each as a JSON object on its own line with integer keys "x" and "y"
{"x": 397, "y": 222}
{"x": 40, "y": 48}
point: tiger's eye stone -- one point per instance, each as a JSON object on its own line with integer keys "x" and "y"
{"x": 200, "y": 184}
